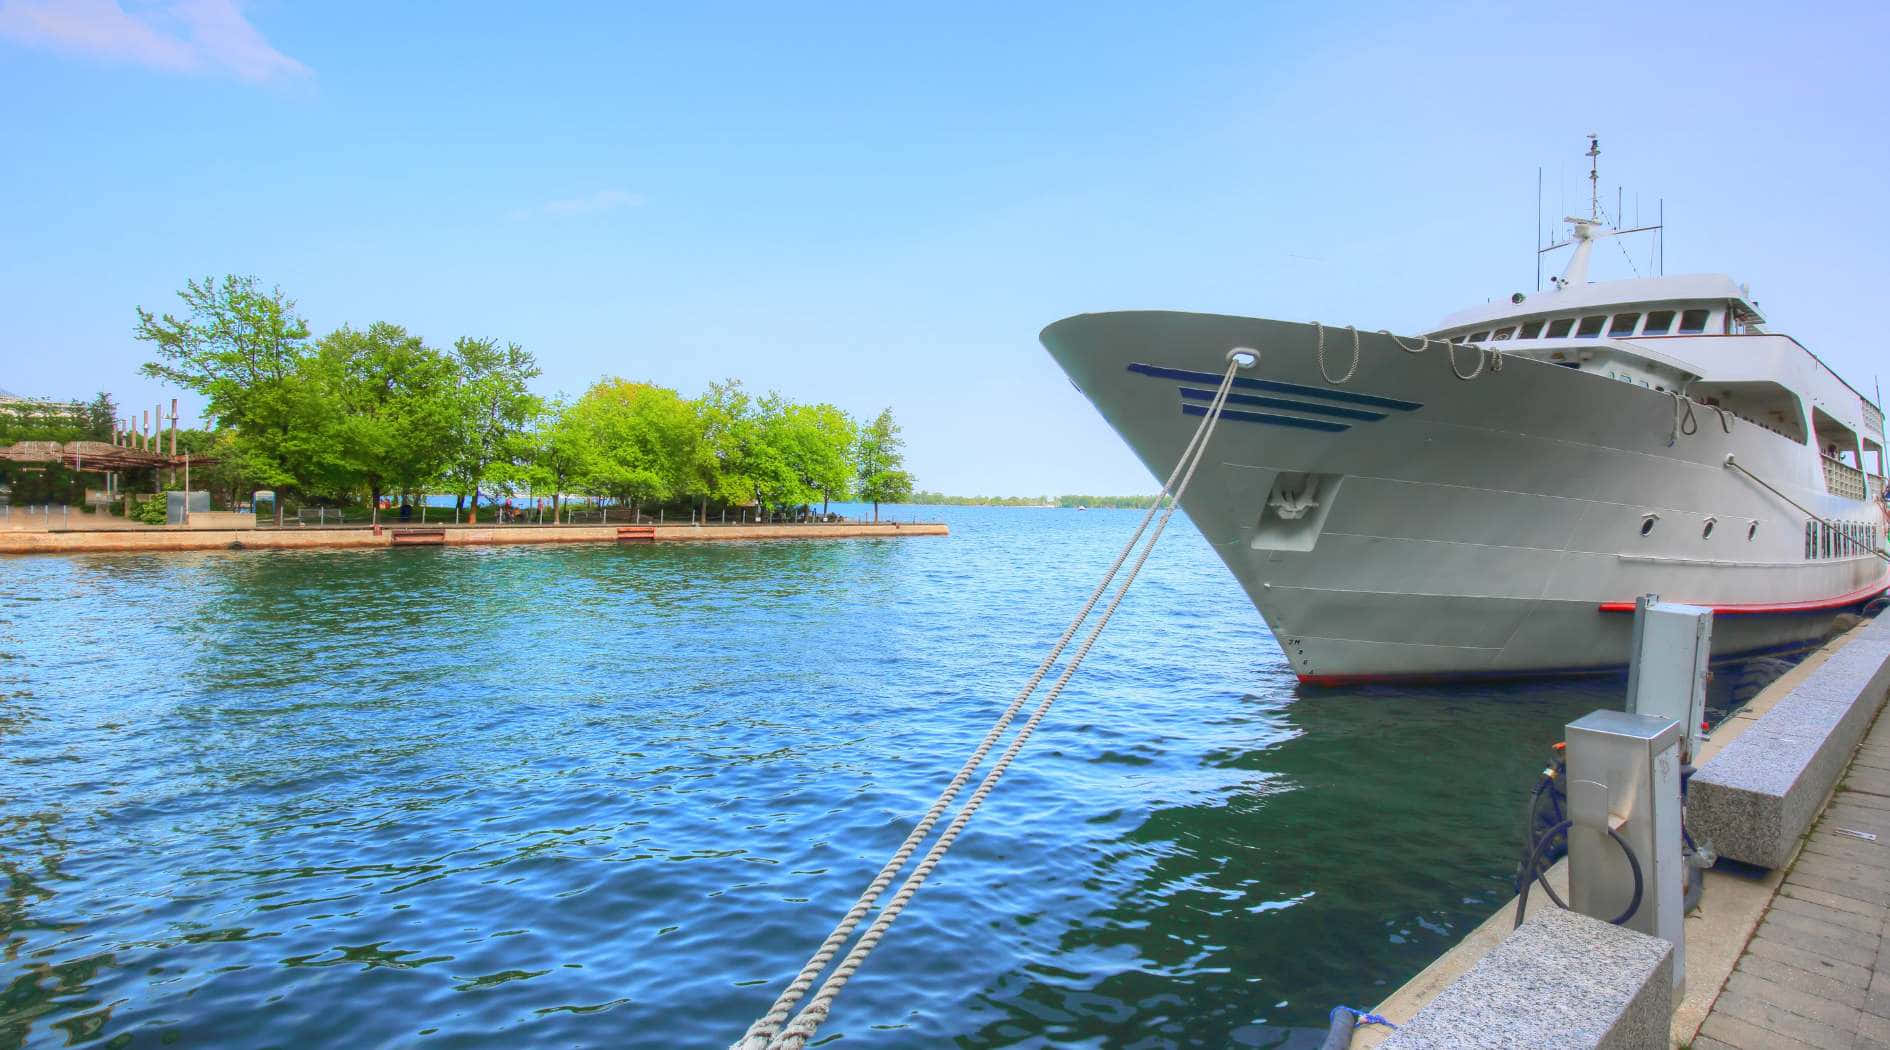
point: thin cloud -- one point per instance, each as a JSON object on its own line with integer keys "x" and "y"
{"x": 173, "y": 36}
{"x": 589, "y": 204}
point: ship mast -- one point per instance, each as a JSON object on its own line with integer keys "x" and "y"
{"x": 1584, "y": 232}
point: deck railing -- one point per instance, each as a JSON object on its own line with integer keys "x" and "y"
{"x": 1842, "y": 480}
{"x": 1874, "y": 486}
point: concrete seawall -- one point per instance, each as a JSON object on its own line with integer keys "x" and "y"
{"x": 178, "y": 539}
{"x": 1734, "y": 904}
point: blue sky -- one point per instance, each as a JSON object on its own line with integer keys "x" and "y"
{"x": 878, "y": 206}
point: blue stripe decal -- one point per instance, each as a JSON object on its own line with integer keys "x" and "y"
{"x": 1190, "y": 394}
{"x": 1211, "y": 379}
{"x": 1269, "y": 420}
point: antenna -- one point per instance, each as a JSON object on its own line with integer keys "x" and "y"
{"x": 1594, "y": 177}
{"x": 1538, "y": 227}
{"x": 1661, "y": 237}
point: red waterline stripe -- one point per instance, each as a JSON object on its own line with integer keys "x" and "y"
{"x": 1854, "y": 598}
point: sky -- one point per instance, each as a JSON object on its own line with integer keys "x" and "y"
{"x": 880, "y": 205}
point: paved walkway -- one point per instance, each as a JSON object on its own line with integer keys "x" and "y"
{"x": 1817, "y": 970}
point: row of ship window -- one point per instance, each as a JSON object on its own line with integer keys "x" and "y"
{"x": 1658, "y": 322}
{"x": 1838, "y": 539}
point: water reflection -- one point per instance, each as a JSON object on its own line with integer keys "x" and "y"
{"x": 602, "y": 794}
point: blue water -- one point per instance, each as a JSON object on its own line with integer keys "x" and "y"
{"x": 611, "y": 796}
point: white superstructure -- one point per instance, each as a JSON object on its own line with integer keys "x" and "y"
{"x": 1491, "y": 498}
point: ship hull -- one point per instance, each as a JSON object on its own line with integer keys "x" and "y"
{"x": 1412, "y": 524}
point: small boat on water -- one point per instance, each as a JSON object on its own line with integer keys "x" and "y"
{"x": 1490, "y": 497}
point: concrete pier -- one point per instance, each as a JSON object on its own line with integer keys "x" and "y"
{"x": 1791, "y": 957}
{"x": 162, "y": 538}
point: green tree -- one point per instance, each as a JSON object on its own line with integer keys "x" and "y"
{"x": 398, "y": 409}
{"x": 246, "y": 352}
{"x": 101, "y": 417}
{"x": 639, "y": 436}
{"x": 562, "y": 453}
{"x": 882, "y": 461}
{"x": 494, "y": 409}
{"x": 816, "y": 444}
{"x": 719, "y": 457}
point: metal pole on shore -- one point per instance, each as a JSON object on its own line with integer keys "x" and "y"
{"x": 186, "y": 473}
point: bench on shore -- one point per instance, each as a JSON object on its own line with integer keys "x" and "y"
{"x": 1755, "y": 799}
{"x": 419, "y": 537}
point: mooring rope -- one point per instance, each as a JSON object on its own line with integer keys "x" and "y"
{"x": 1319, "y": 331}
{"x": 767, "y": 1031}
{"x": 1833, "y": 526}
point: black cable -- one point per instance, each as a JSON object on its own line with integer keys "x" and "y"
{"x": 1535, "y": 854}
{"x": 1529, "y": 865}
{"x": 1634, "y": 904}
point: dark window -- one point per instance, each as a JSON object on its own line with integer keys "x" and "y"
{"x": 1480, "y": 337}
{"x": 1811, "y": 540}
{"x": 1530, "y": 330}
{"x": 1591, "y": 327}
{"x": 1503, "y": 333}
{"x": 1456, "y": 339}
{"x": 1693, "y": 322}
{"x": 1559, "y": 329}
{"x": 1624, "y": 324}
{"x": 1658, "y": 322}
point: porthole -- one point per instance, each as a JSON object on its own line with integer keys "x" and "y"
{"x": 1751, "y": 531}
{"x": 1647, "y": 523}
{"x": 1708, "y": 530}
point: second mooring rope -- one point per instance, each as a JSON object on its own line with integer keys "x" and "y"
{"x": 767, "y": 1033}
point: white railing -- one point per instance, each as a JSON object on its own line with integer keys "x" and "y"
{"x": 1874, "y": 486}
{"x": 1842, "y": 480}
{"x": 1873, "y": 419}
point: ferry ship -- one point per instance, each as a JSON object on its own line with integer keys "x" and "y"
{"x": 1488, "y": 498}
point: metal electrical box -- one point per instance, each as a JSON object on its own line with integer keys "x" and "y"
{"x": 1624, "y": 773}
{"x": 1667, "y": 666}
{"x": 175, "y": 505}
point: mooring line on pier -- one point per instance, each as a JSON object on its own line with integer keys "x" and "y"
{"x": 767, "y": 1033}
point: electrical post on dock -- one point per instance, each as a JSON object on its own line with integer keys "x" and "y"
{"x": 1626, "y": 781}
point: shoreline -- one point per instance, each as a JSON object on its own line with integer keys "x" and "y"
{"x": 166, "y": 538}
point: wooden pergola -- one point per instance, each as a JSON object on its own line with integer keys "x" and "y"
{"x": 90, "y": 455}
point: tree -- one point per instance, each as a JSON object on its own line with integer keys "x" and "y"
{"x": 719, "y": 459}
{"x": 101, "y": 417}
{"x": 816, "y": 443}
{"x": 638, "y": 435}
{"x": 882, "y": 461}
{"x": 245, "y": 351}
{"x": 398, "y": 408}
{"x": 562, "y": 453}
{"x": 494, "y": 410}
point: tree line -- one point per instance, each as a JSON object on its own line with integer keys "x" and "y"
{"x": 375, "y": 412}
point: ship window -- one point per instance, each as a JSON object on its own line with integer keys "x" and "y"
{"x": 1503, "y": 333}
{"x": 1811, "y": 540}
{"x": 1751, "y": 531}
{"x": 1591, "y": 327}
{"x": 1456, "y": 339}
{"x": 1658, "y": 322}
{"x": 1559, "y": 329}
{"x": 1707, "y": 532}
{"x": 1530, "y": 330}
{"x": 1624, "y": 324}
{"x": 1479, "y": 337}
{"x": 1693, "y": 322}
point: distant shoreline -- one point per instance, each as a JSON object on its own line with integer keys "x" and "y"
{"x": 939, "y": 499}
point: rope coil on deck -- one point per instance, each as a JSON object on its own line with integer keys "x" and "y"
{"x": 773, "y": 1030}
